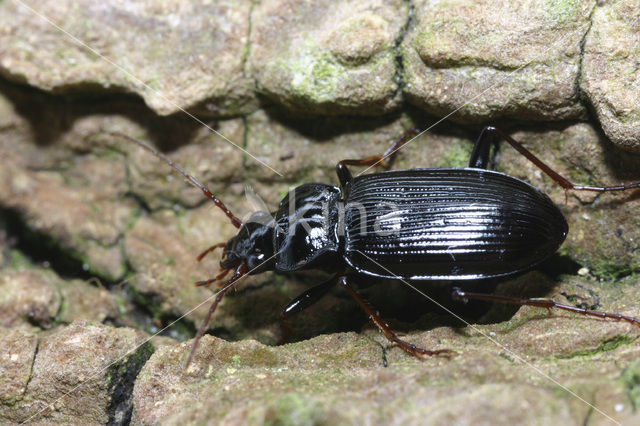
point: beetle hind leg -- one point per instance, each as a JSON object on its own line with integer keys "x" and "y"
{"x": 386, "y": 330}
{"x": 463, "y": 296}
{"x": 388, "y": 155}
{"x": 480, "y": 157}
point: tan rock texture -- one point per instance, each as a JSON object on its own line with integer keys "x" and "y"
{"x": 610, "y": 71}
{"x": 98, "y": 238}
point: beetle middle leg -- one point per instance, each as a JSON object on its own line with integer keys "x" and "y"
{"x": 344, "y": 175}
{"x": 384, "y": 327}
{"x": 388, "y": 155}
{"x": 463, "y": 296}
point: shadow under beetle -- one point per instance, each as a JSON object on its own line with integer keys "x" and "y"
{"x": 418, "y": 224}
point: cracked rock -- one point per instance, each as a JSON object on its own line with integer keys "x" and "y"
{"x": 16, "y": 360}
{"x": 176, "y": 55}
{"x": 342, "y": 377}
{"x": 343, "y": 62}
{"x": 610, "y": 71}
{"x": 496, "y": 59}
{"x": 90, "y": 362}
{"x": 36, "y": 297}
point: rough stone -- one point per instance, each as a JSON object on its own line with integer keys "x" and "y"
{"x": 488, "y": 59}
{"x": 342, "y": 63}
{"x": 175, "y": 54}
{"x": 83, "y": 301}
{"x": 28, "y": 297}
{"x": 18, "y": 352}
{"x": 82, "y": 189}
{"x": 610, "y": 71}
{"x": 342, "y": 377}
{"x": 94, "y": 364}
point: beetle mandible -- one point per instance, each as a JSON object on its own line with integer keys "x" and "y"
{"x": 419, "y": 224}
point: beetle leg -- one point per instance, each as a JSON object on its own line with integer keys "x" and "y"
{"x": 239, "y": 273}
{"x": 482, "y": 149}
{"x": 560, "y": 180}
{"x": 300, "y": 303}
{"x": 344, "y": 175}
{"x": 549, "y": 304}
{"x": 222, "y": 273}
{"x": 209, "y": 250}
{"x": 381, "y": 160}
{"x": 385, "y": 329}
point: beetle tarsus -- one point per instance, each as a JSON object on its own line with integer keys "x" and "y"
{"x": 218, "y": 277}
{"x": 387, "y": 156}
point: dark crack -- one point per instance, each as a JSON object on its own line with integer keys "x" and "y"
{"x": 247, "y": 49}
{"x": 576, "y": 85}
{"x": 33, "y": 363}
{"x": 121, "y": 378}
{"x": 605, "y": 346}
{"x": 42, "y": 248}
{"x": 399, "y": 73}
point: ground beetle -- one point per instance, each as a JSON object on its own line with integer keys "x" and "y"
{"x": 418, "y": 224}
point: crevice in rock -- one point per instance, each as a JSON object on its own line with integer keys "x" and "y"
{"x": 576, "y": 84}
{"x": 385, "y": 362}
{"x": 121, "y": 377}
{"x": 605, "y": 346}
{"x": 33, "y": 363}
{"x": 42, "y": 248}
{"x": 247, "y": 49}
{"x": 397, "y": 47}
{"x": 590, "y": 410}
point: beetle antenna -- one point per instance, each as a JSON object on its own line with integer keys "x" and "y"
{"x": 240, "y": 272}
{"x": 234, "y": 220}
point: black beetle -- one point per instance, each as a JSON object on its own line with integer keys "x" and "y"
{"x": 417, "y": 224}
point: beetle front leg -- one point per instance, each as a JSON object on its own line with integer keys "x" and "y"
{"x": 463, "y": 296}
{"x": 302, "y": 302}
{"x": 386, "y": 330}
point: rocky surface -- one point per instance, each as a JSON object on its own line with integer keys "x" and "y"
{"x": 489, "y": 59}
{"x": 344, "y": 377}
{"x": 343, "y": 63}
{"x": 541, "y": 60}
{"x": 82, "y": 373}
{"x": 610, "y": 71}
{"x": 98, "y": 239}
{"x": 174, "y": 54}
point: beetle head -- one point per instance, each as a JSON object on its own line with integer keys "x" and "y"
{"x": 252, "y": 246}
